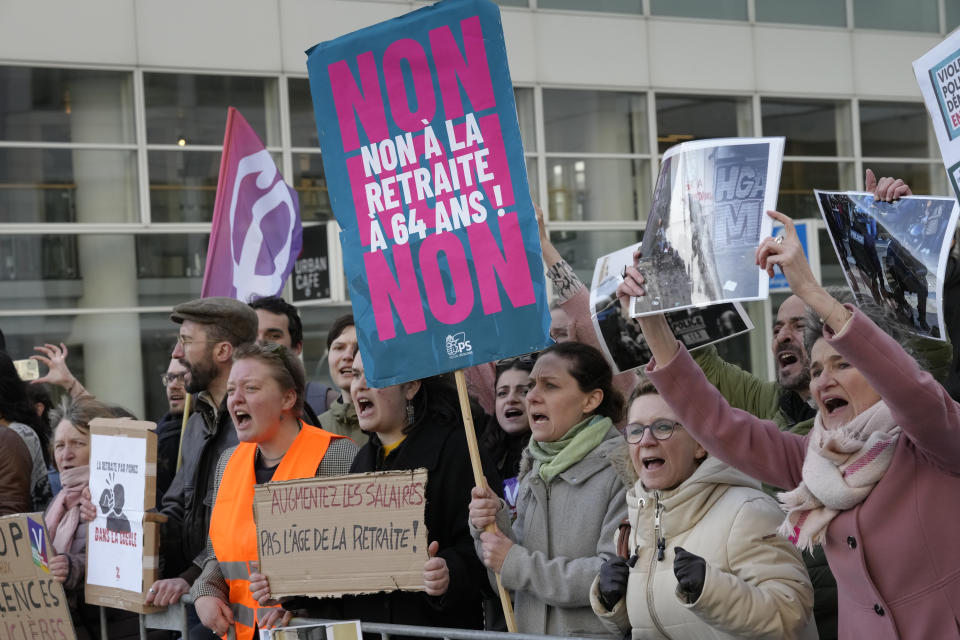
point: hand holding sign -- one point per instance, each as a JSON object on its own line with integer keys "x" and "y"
{"x": 60, "y": 568}
{"x": 88, "y": 511}
{"x": 260, "y": 588}
{"x": 436, "y": 574}
{"x": 886, "y": 189}
{"x": 495, "y": 549}
{"x": 786, "y": 251}
{"x": 483, "y": 507}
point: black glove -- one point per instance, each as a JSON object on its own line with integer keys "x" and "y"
{"x": 612, "y": 583}
{"x": 691, "y": 571}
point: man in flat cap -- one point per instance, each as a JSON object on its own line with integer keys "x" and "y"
{"x": 210, "y": 330}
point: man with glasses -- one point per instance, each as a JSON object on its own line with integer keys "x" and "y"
{"x": 210, "y": 330}
{"x": 169, "y": 426}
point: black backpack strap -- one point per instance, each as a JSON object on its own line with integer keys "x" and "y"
{"x": 309, "y": 415}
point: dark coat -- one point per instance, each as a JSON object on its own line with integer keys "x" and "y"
{"x": 442, "y": 450}
{"x": 168, "y": 449}
{"x": 15, "y": 475}
{"x": 189, "y": 500}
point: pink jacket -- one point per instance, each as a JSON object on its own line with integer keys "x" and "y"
{"x": 896, "y": 556}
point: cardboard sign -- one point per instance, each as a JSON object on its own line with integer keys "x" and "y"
{"x": 311, "y": 271}
{"x": 358, "y": 533}
{"x": 122, "y": 541}
{"x": 32, "y": 603}
{"x": 427, "y": 179}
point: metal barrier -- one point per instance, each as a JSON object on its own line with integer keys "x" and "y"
{"x": 175, "y": 619}
{"x": 387, "y": 630}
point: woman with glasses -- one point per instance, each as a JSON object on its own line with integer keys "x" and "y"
{"x": 570, "y": 498}
{"x": 704, "y": 557}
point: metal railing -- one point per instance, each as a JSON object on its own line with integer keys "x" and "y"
{"x": 387, "y": 630}
{"x": 174, "y": 618}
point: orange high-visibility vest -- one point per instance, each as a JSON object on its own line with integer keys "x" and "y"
{"x": 233, "y": 531}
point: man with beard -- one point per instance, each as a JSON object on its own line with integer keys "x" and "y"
{"x": 210, "y": 330}
{"x": 783, "y": 401}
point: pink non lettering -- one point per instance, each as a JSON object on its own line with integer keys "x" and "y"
{"x": 359, "y": 98}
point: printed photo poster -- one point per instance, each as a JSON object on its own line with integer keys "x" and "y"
{"x": 894, "y": 253}
{"x": 706, "y": 221}
{"x": 938, "y": 74}
{"x": 427, "y": 180}
{"x": 621, "y": 340}
{"x": 115, "y": 537}
{"x": 33, "y": 603}
{"x": 349, "y": 630}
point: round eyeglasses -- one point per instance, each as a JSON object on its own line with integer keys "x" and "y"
{"x": 661, "y": 430}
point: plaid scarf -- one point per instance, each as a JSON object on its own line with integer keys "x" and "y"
{"x": 840, "y": 469}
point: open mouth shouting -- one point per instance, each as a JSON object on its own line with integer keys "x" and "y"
{"x": 789, "y": 361}
{"x": 833, "y": 405}
{"x": 652, "y": 463}
{"x": 365, "y": 407}
{"x": 242, "y": 419}
{"x": 513, "y": 418}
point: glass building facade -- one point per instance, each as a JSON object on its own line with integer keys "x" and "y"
{"x": 108, "y": 170}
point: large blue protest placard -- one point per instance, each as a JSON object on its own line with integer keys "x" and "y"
{"x": 423, "y": 159}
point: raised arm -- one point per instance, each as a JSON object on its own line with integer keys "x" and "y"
{"x": 754, "y": 446}
{"x": 54, "y": 357}
{"x": 922, "y": 408}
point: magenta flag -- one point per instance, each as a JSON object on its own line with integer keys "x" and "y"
{"x": 256, "y": 234}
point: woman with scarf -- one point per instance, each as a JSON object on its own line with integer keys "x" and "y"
{"x": 570, "y": 499}
{"x": 704, "y": 559}
{"x": 71, "y": 453}
{"x": 875, "y": 476}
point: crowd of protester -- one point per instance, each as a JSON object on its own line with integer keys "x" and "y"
{"x": 602, "y": 517}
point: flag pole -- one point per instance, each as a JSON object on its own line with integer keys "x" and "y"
{"x": 481, "y": 481}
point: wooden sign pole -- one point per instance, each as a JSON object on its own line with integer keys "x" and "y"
{"x": 481, "y": 481}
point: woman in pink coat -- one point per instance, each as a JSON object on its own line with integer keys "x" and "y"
{"x": 877, "y": 480}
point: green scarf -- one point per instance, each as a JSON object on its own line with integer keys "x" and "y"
{"x": 558, "y": 456}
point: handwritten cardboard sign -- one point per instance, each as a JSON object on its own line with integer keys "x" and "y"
{"x": 32, "y": 603}
{"x": 358, "y": 533}
{"x": 122, "y": 540}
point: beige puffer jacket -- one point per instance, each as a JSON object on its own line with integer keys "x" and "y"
{"x": 756, "y": 585}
